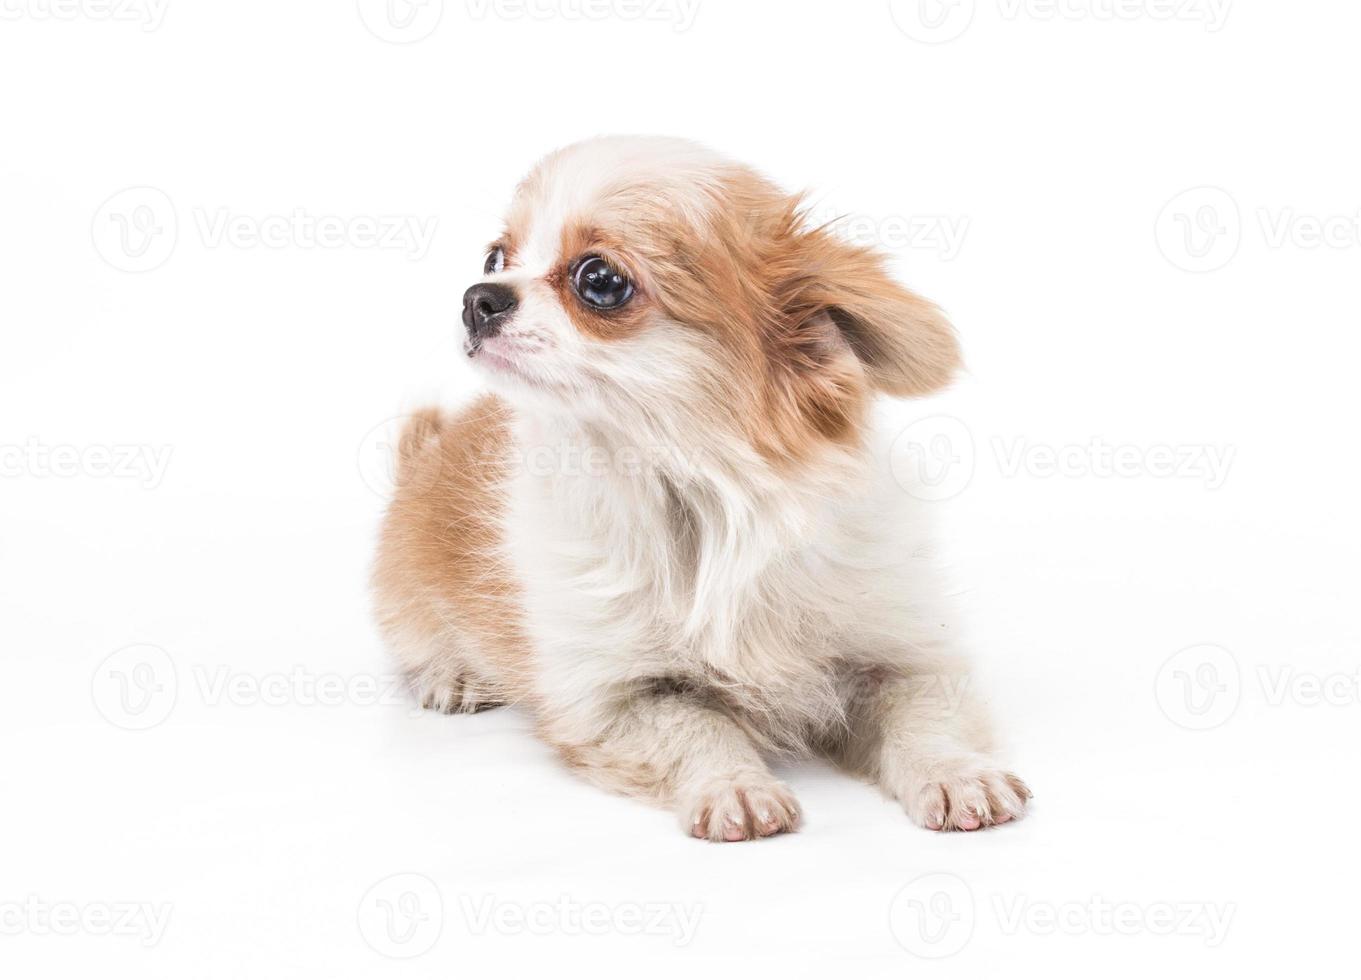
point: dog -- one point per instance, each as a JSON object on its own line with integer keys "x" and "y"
{"x": 665, "y": 529}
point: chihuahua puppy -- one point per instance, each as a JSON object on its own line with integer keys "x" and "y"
{"x": 668, "y": 530}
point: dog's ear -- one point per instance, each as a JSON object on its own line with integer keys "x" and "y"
{"x": 905, "y": 343}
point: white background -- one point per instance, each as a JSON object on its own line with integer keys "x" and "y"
{"x": 193, "y": 468}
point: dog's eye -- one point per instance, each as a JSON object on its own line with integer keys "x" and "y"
{"x": 496, "y": 261}
{"x": 600, "y": 286}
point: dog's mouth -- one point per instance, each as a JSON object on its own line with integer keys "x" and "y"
{"x": 499, "y": 357}
{"x": 490, "y": 356}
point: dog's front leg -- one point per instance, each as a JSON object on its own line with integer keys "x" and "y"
{"x": 673, "y": 748}
{"x": 925, "y": 740}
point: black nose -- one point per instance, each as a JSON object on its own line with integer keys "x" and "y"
{"x": 486, "y": 308}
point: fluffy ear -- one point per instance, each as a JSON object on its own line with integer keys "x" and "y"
{"x": 905, "y": 342}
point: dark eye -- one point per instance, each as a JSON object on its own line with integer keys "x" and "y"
{"x": 601, "y": 286}
{"x": 496, "y": 261}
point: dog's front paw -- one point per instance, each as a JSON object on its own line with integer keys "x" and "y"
{"x": 454, "y": 693}
{"x": 963, "y": 794}
{"x": 740, "y": 808}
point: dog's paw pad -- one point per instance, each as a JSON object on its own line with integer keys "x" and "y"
{"x": 458, "y": 694}
{"x": 967, "y": 797}
{"x": 741, "y": 808}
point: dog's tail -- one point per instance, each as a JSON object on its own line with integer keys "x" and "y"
{"x": 418, "y": 444}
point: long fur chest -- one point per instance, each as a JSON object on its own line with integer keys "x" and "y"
{"x": 675, "y": 565}
{"x": 762, "y": 594}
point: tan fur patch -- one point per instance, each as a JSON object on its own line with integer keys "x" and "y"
{"x": 441, "y": 574}
{"x": 790, "y": 376}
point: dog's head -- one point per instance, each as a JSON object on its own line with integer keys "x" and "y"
{"x": 644, "y": 281}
